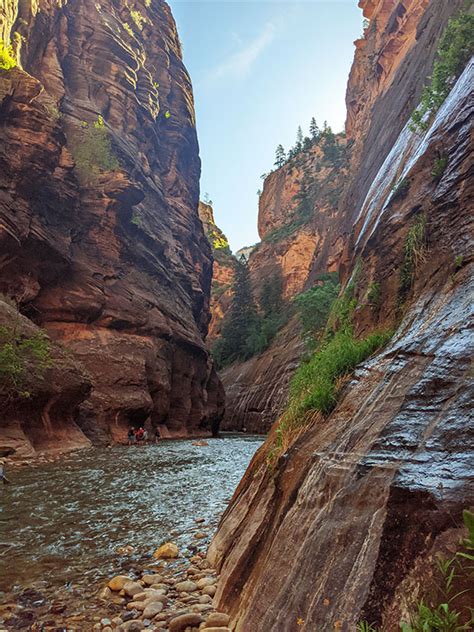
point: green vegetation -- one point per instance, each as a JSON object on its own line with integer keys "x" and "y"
{"x": 314, "y": 305}
{"x": 91, "y": 148}
{"x": 7, "y": 56}
{"x": 458, "y": 261}
{"x": 373, "y": 295}
{"x": 247, "y": 331}
{"x": 363, "y": 626}
{"x": 439, "y": 167}
{"x": 136, "y": 219}
{"x": 414, "y": 255}
{"x": 455, "y": 49}
{"x": 400, "y": 189}
{"x": 139, "y": 19}
{"x": 128, "y": 28}
{"x": 316, "y": 384}
{"x": 21, "y": 360}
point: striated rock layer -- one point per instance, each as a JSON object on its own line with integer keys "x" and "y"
{"x": 351, "y": 517}
{"x": 112, "y": 262}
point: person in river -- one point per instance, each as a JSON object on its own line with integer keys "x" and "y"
{"x": 131, "y": 436}
{"x": 145, "y": 436}
{"x": 139, "y": 434}
{"x": 157, "y": 435}
{"x": 3, "y": 478}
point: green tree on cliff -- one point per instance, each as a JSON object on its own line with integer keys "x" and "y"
{"x": 314, "y": 130}
{"x": 299, "y": 139}
{"x": 240, "y": 321}
{"x": 280, "y": 156}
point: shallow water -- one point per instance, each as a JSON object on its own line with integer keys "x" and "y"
{"x": 61, "y": 523}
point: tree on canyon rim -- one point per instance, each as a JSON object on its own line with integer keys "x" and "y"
{"x": 240, "y": 320}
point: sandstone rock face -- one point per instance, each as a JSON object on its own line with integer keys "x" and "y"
{"x": 353, "y": 514}
{"x": 39, "y": 416}
{"x": 111, "y": 261}
{"x": 298, "y": 210}
{"x": 222, "y": 271}
{"x": 257, "y": 390}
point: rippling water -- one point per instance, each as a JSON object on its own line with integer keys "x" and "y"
{"x": 62, "y": 522}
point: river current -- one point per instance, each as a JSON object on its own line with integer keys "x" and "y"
{"x": 62, "y": 523}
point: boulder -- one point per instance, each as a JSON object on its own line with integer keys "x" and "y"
{"x": 118, "y": 582}
{"x": 166, "y": 551}
{"x": 180, "y": 623}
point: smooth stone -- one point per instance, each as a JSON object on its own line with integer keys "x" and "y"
{"x": 186, "y": 586}
{"x": 131, "y": 626}
{"x": 166, "y": 551}
{"x": 209, "y": 590}
{"x": 199, "y": 520}
{"x": 107, "y": 629}
{"x": 117, "y": 621}
{"x": 132, "y": 588}
{"x": 136, "y": 605}
{"x": 149, "y": 580}
{"x": 106, "y": 621}
{"x": 180, "y": 623}
{"x": 205, "y": 599}
{"x": 153, "y": 609}
{"x": 203, "y": 607}
{"x": 217, "y": 620}
{"x": 118, "y": 582}
{"x": 220, "y": 629}
{"x": 206, "y": 581}
{"x": 105, "y": 593}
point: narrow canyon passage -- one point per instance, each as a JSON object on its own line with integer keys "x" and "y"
{"x": 63, "y": 522}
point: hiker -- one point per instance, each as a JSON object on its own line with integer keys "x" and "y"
{"x": 3, "y": 478}
{"x": 145, "y": 436}
{"x": 139, "y": 434}
{"x": 157, "y": 435}
{"x": 131, "y": 436}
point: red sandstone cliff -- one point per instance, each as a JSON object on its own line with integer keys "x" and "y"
{"x": 353, "y": 514}
{"x": 111, "y": 261}
{"x": 222, "y": 271}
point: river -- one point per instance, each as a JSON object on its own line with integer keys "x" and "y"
{"x": 62, "y": 522}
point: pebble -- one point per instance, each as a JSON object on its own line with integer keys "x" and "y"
{"x": 186, "y": 586}
{"x": 180, "y": 623}
{"x": 169, "y": 550}
{"x": 206, "y": 581}
{"x": 149, "y": 580}
{"x": 217, "y": 620}
{"x": 152, "y": 609}
{"x": 117, "y": 583}
{"x": 209, "y": 590}
{"x": 132, "y": 588}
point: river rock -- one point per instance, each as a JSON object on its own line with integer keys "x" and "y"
{"x": 186, "y": 586}
{"x": 200, "y": 535}
{"x": 205, "y": 599}
{"x": 132, "y": 588}
{"x": 107, "y": 629}
{"x": 220, "y": 629}
{"x": 209, "y": 590}
{"x": 217, "y": 620}
{"x": 151, "y": 579}
{"x": 180, "y": 623}
{"x": 206, "y": 581}
{"x": 131, "y": 626}
{"x": 166, "y": 551}
{"x": 118, "y": 582}
{"x": 152, "y": 609}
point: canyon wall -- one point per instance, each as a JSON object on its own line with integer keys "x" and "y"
{"x": 346, "y": 525}
{"x": 100, "y": 240}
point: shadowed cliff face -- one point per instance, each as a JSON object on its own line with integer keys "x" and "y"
{"x": 352, "y": 515}
{"x": 112, "y": 261}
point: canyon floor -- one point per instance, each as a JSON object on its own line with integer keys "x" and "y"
{"x": 71, "y": 525}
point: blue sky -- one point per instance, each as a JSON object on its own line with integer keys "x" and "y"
{"x": 259, "y": 69}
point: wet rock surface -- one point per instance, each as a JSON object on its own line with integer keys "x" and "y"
{"x": 354, "y": 512}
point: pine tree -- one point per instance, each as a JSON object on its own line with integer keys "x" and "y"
{"x": 299, "y": 139}
{"x": 240, "y": 321}
{"x": 314, "y": 129}
{"x": 280, "y": 156}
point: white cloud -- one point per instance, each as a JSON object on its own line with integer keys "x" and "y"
{"x": 239, "y": 64}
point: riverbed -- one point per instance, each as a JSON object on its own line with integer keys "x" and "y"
{"x": 64, "y": 525}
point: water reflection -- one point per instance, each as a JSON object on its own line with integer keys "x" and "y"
{"x": 61, "y": 523}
